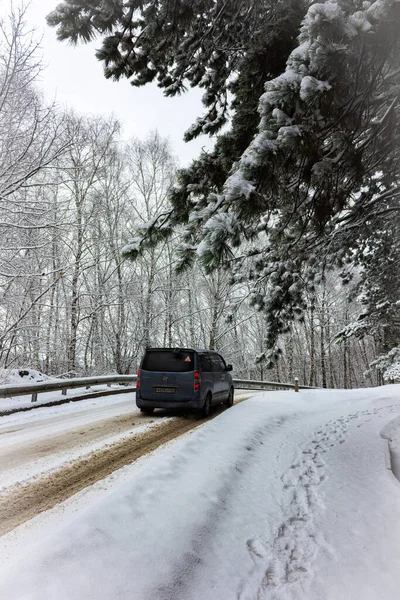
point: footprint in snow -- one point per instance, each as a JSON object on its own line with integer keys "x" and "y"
{"x": 293, "y": 551}
{"x": 271, "y": 574}
{"x": 256, "y": 548}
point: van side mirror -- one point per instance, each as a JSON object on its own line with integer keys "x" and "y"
{"x": 229, "y": 367}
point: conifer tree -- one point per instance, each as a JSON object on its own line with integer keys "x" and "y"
{"x": 291, "y": 189}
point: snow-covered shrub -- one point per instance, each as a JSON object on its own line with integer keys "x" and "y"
{"x": 22, "y": 375}
{"x": 389, "y": 364}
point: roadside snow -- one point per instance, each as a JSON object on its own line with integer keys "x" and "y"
{"x": 85, "y": 410}
{"x": 286, "y": 496}
{"x": 392, "y": 433}
{"x": 23, "y": 376}
{"x": 46, "y": 397}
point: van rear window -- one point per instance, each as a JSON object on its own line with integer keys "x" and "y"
{"x": 166, "y": 360}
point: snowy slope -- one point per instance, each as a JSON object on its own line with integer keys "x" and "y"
{"x": 283, "y": 496}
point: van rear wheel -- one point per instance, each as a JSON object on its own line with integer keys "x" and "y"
{"x": 229, "y": 401}
{"x": 205, "y": 411}
{"x": 147, "y": 411}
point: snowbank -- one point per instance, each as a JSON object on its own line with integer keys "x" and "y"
{"x": 22, "y": 376}
{"x": 284, "y": 496}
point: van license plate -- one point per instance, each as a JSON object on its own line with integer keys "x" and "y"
{"x": 165, "y": 390}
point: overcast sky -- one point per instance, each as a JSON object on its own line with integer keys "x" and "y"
{"x": 74, "y": 77}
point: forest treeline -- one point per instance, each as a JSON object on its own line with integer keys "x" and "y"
{"x": 72, "y": 196}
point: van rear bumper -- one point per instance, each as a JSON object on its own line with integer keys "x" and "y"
{"x": 161, "y": 403}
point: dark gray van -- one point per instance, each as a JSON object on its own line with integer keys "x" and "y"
{"x": 183, "y": 378}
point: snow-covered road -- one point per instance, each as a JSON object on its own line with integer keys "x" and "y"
{"x": 35, "y": 442}
{"x": 284, "y": 496}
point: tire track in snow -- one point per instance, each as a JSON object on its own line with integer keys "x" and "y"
{"x": 25, "y": 502}
{"x": 183, "y": 572}
{"x": 21, "y": 503}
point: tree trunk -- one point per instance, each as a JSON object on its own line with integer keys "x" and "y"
{"x": 322, "y": 340}
{"x": 74, "y": 318}
{"x": 312, "y": 379}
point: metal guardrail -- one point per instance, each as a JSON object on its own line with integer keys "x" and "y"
{"x": 249, "y": 383}
{"x": 33, "y": 389}
{"x": 63, "y": 385}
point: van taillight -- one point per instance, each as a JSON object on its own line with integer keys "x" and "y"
{"x": 138, "y": 379}
{"x": 196, "y": 380}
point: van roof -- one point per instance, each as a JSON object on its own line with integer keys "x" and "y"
{"x": 179, "y": 349}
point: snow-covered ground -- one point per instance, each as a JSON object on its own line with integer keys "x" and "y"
{"x": 18, "y": 402}
{"x": 23, "y": 376}
{"x": 284, "y": 496}
{"x": 33, "y": 443}
{"x": 37, "y": 442}
{"x": 27, "y": 376}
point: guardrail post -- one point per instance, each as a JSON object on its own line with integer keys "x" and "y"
{"x": 64, "y": 391}
{"x": 34, "y": 397}
{"x": 296, "y": 384}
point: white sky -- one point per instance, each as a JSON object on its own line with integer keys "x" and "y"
{"x": 74, "y": 77}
